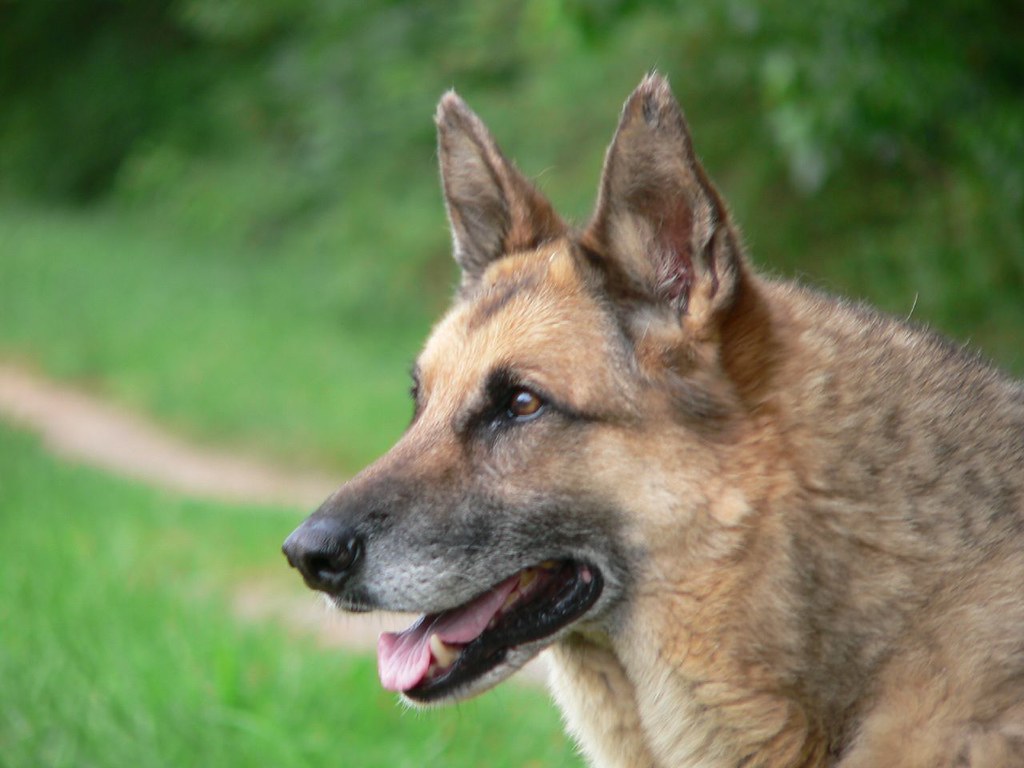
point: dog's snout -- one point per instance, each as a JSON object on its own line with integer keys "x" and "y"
{"x": 325, "y": 552}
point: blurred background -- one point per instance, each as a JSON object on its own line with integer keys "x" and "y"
{"x": 224, "y": 216}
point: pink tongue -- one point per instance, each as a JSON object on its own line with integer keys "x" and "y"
{"x": 403, "y": 658}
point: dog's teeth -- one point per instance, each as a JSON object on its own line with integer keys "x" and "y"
{"x": 549, "y": 565}
{"x": 527, "y": 577}
{"x": 443, "y": 652}
{"x": 586, "y": 575}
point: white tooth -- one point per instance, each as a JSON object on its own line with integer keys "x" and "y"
{"x": 527, "y": 578}
{"x": 443, "y": 652}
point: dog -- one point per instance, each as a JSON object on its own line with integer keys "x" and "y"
{"x": 752, "y": 524}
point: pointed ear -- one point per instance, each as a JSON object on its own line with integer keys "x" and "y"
{"x": 492, "y": 208}
{"x": 660, "y": 226}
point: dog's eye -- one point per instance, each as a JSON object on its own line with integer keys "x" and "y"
{"x": 523, "y": 404}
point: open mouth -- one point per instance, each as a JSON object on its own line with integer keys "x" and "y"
{"x": 444, "y": 651}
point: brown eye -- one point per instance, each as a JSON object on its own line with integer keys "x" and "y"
{"x": 523, "y": 404}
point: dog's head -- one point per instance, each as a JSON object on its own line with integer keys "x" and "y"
{"x": 567, "y": 410}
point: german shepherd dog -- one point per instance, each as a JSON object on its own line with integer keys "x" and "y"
{"x": 753, "y": 525}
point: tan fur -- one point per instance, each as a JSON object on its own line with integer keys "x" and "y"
{"x": 809, "y": 516}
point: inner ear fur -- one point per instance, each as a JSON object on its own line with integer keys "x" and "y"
{"x": 660, "y": 228}
{"x": 493, "y": 209}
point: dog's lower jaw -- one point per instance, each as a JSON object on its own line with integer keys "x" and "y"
{"x": 515, "y": 659}
{"x": 466, "y": 649}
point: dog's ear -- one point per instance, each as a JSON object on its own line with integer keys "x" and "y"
{"x": 493, "y": 209}
{"x": 660, "y": 227}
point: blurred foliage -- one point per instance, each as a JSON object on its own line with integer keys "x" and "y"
{"x": 92, "y": 85}
{"x": 871, "y": 147}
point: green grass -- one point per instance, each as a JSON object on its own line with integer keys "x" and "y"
{"x": 305, "y": 358}
{"x": 118, "y": 646}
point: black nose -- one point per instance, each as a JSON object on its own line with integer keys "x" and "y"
{"x": 325, "y": 552}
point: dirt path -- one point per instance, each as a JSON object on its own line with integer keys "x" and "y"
{"x": 85, "y": 429}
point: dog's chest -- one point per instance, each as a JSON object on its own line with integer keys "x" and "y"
{"x": 619, "y": 722}
{"x": 679, "y": 730}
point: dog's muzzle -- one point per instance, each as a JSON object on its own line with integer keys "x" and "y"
{"x": 325, "y": 552}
